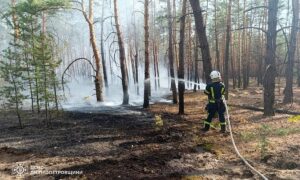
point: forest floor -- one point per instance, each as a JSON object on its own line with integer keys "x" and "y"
{"x": 155, "y": 144}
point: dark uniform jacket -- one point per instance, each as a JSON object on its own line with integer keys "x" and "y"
{"x": 215, "y": 91}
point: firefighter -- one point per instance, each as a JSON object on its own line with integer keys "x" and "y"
{"x": 215, "y": 91}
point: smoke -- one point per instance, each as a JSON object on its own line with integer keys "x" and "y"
{"x": 80, "y": 92}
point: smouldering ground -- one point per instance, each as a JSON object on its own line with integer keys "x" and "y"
{"x": 132, "y": 146}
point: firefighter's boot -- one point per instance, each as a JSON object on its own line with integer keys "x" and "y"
{"x": 206, "y": 128}
{"x": 223, "y": 129}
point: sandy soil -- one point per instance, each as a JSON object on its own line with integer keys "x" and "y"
{"x": 154, "y": 144}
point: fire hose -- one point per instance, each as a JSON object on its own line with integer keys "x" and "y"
{"x": 235, "y": 147}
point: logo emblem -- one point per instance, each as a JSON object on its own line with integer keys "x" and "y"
{"x": 19, "y": 169}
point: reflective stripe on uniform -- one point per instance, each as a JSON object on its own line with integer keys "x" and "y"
{"x": 206, "y": 92}
{"x": 223, "y": 91}
{"x": 224, "y": 123}
{"x": 212, "y": 101}
{"x": 212, "y": 92}
{"x": 206, "y": 122}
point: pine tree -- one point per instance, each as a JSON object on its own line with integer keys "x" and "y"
{"x": 29, "y": 64}
{"x": 11, "y": 70}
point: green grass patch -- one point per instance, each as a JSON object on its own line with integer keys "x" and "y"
{"x": 250, "y": 136}
{"x": 285, "y": 131}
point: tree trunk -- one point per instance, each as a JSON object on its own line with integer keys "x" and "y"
{"x": 233, "y": 60}
{"x": 244, "y": 49}
{"x": 227, "y": 47}
{"x": 196, "y": 78}
{"x": 122, "y": 57}
{"x": 45, "y": 78}
{"x": 289, "y": 72}
{"x": 181, "y": 83}
{"x": 200, "y": 28}
{"x": 239, "y": 63}
{"x": 156, "y": 42}
{"x": 154, "y": 63}
{"x": 130, "y": 56}
{"x": 136, "y": 62}
{"x": 15, "y": 20}
{"x": 174, "y": 35}
{"x": 147, "y": 59}
{"x": 216, "y": 39}
{"x": 16, "y": 89}
{"x": 36, "y": 71}
{"x": 249, "y": 55}
{"x": 270, "y": 73}
{"x": 90, "y": 20}
{"x": 171, "y": 53}
{"x": 260, "y": 55}
{"x": 102, "y": 49}
{"x": 17, "y": 102}
{"x": 298, "y": 66}
{"x": 157, "y": 65}
{"x": 190, "y": 51}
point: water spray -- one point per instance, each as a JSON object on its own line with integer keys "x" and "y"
{"x": 190, "y": 82}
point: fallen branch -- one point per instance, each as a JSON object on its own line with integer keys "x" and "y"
{"x": 253, "y": 108}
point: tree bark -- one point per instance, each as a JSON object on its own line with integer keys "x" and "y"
{"x": 156, "y": 44}
{"x": 157, "y": 65}
{"x": 289, "y": 72}
{"x": 102, "y": 48}
{"x": 136, "y": 59}
{"x": 181, "y": 83}
{"x": 217, "y": 39}
{"x": 45, "y": 78}
{"x": 233, "y": 61}
{"x": 154, "y": 63}
{"x": 196, "y": 73}
{"x": 123, "y": 65}
{"x": 270, "y": 73}
{"x": 16, "y": 89}
{"x": 174, "y": 35}
{"x": 200, "y": 28}
{"x": 227, "y": 47}
{"x": 147, "y": 58}
{"x": 190, "y": 49}
{"x": 260, "y": 54}
{"x": 239, "y": 63}
{"x": 136, "y": 62}
{"x": 90, "y": 20}
{"x": 171, "y": 53}
{"x": 131, "y": 57}
{"x": 244, "y": 49}
{"x": 298, "y": 67}
{"x": 15, "y": 20}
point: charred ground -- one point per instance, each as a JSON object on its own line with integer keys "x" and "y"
{"x": 157, "y": 143}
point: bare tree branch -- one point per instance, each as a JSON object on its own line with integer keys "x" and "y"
{"x": 257, "y": 28}
{"x": 256, "y": 7}
{"x": 286, "y": 27}
{"x": 78, "y": 59}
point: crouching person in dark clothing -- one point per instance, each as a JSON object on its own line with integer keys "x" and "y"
{"x": 215, "y": 91}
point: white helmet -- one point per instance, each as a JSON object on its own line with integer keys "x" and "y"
{"x": 215, "y": 75}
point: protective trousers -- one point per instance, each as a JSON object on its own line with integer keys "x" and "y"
{"x": 213, "y": 108}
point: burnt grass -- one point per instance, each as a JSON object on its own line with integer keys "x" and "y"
{"x": 125, "y": 143}
{"x": 70, "y": 135}
{"x": 150, "y": 164}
